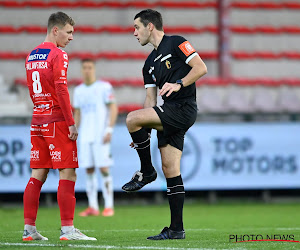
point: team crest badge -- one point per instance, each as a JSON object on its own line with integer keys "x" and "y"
{"x": 168, "y": 64}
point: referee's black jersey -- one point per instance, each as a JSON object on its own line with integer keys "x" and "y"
{"x": 170, "y": 63}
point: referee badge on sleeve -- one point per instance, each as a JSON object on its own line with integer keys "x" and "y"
{"x": 186, "y": 48}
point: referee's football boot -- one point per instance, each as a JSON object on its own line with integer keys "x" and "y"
{"x": 168, "y": 234}
{"x": 34, "y": 235}
{"x": 138, "y": 181}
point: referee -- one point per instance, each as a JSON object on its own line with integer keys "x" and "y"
{"x": 173, "y": 66}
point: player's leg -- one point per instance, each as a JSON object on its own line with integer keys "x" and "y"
{"x": 32, "y": 194}
{"x": 137, "y": 122}
{"x": 66, "y": 161}
{"x": 175, "y": 191}
{"x": 86, "y": 161}
{"x": 66, "y": 202}
{"x": 92, "y": 193}
{"x": 40, "y": 162}
{"x": 103, "y": 161}
{"x": 66, "y": 196}
{"x": 31, "y": 204}
{"x": 107, "y": 191}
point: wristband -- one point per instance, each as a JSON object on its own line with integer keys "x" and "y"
{"x": 109, "y": 130}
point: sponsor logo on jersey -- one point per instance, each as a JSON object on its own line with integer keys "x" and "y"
{"x": 186, "y": 48}
{"x": 35, "y": 155}
{"x": 45, "y": 130}
{"x": 41, "y": 95}
{"x": 39, "y": 55}
{"x": 55, "y": 155}
{"x": 75, "y": 158}
{"x": 43, "y": 107}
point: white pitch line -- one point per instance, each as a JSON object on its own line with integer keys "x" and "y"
{"x": 49, "y": 231}
{"x": 287, "y": 228}
{"x": 98, "y": 246}
{"x": 154, "y": 230}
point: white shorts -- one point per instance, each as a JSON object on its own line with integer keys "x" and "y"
{"x": 94, "y": 155}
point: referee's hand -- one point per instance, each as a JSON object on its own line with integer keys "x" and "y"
{"x": 169, "y": 88}
{"x": 73, "y": 133}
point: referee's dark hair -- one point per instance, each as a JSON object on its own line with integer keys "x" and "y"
{"x": 150, "y": 16}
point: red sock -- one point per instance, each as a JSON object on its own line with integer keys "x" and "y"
{"x": 31, "y": 200}
{"x": 66, "y": 201}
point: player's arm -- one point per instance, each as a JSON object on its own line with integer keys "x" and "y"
{"x": 113, "y": 110}
{"x": 113, "y": 115}
{"x": 77, "y": 117}
{"x": 65, "y": 105}
{"x": 60, "y": 81}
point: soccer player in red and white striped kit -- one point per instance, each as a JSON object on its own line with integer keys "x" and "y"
{"x": 53, "y": 130}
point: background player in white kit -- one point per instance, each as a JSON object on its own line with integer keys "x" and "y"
{"x": 95, "y": 114}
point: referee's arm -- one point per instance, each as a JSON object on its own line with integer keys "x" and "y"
{"x": 151, "y": 97}
{"x": 198, "y": 69}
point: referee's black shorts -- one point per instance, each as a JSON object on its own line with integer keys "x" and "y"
{"x": 176, "y": 118}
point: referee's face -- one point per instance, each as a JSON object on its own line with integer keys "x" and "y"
{"x": 141, "y": 32}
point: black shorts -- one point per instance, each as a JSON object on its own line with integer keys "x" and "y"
{"x": 176, "y": 118}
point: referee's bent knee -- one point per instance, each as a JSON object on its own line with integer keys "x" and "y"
{"x": 131, "y": 118}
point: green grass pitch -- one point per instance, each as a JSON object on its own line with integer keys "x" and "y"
{"x": 207, "y": 227}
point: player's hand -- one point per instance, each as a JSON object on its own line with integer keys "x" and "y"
{"x": 169, "y": 88}
{"x": 73, "y": 133}
{"x": 131, "y": 145}
{"x": 107, "y": 138}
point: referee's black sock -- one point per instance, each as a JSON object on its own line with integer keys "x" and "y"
{"x": 141, "y": 140}
{"x": 175, "y": 192}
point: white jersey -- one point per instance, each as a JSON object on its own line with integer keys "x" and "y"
{"x": 92, "y": 101}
